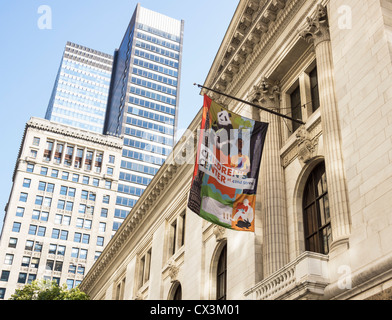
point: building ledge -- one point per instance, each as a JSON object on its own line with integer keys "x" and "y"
{"x": 304, "y": 278}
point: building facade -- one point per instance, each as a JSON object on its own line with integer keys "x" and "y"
{"x": 60, "y": 212}
{"x": 323, "y": 219}
{"x": 81, "y": 89}
{"x": 144, "y": 99}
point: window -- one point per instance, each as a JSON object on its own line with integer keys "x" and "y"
{"x": 61, "y": 204}
{"x": 22, "y": 277}
{"x": 48, "y": 151}
{"x": 32, "y": 229}
{"x": 34, "y": 262}
{"x": 33, "y": 153}
{"x": 9, "y": 258}
{"x": 23, "y": 197}
{"x": 69, "y": 206}
{"x": 55, "y": 233}
{"x": 38, "y": 247}
{"x": 49, "y": 265}
{"x": 84, "y": 195}
{"x": 177, "y": 234}
{"x": 178, "y": 293}
{"x": 71, "y": 192}
{"x": 52, "y": 249}
{"x": 88, "y": 161}
{"x": 102, "y": 227}
{"x": 25, "y": 261}
{"x": 50, "y": 187}
{"x": 30, "y": 167}
{"x": 78, "y": 158}
{"x": 317, "y": 220}
{"x": 36, "y": 141}
{"x": 92, "y": 196}
{"x": 173, "y": 236}
{"x": 16, "y": 227}
{"x": 95, "y": 182}
{"x": 314, "y": 89}
{"x": 55, "y": 173}
{"x": 108, "y": 184}
{"x": 44, "y": 171}
{"x": 86, "y": 238}
{"x": 41, "y": 186}
{"x": 68, "y": 156}
{"x": 221, "y": 275}
{"x": 2, "y": 293}
{"x": 100, "y": 241}
{"x": 58, "y": 153}
{"x": 112, "y": 159}
{"x": 70, "y": 284}
{"x": 39, "y": 200}
{"x": 47, "y": 202}
{"x": 296, "y": 112}
{"x": 72, "y": 268}
{"x": 63, "y": 190}
{"x": 4, "y": 275}
{"x": 104, "y": 212}
{"x": 29, "y": 245}
{"x": 83, "y": 254}
{"x": 144, "y": 268}
{"x": 26, "y": 183}
{"x": 81, "y": 269}
{"x": 31, "y": 278}
{"x": 98, "y": 162}
{"x": 85, "y": 180}
{"x": 58, "y": 266}
{"x": 65, "y": 175}
{"x": 12, "y": 243}
{"x": 75, "y": 177}
{"x": 82, "y": 208}
{"x": 77, "y": 237}
{"x": 63, "y": 235}
{"x": 106, "y": 199}
{"x": 19, "y": 211}
{"x": 109, "y": 171}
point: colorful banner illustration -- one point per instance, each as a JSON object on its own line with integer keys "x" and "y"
{"x": 225, "y": 177}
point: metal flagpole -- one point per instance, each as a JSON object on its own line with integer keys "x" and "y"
{"x": 252, "y": 104}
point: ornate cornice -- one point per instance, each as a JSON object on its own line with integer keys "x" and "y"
{"x": 46, "y": 125}
{"x": 241, "y": 56}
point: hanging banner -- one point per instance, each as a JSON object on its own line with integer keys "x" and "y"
{"x": 224, "y": 182}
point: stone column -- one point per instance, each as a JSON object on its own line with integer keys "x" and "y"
{"x": 272, "y": 185}
{"x": 317, "y": 31}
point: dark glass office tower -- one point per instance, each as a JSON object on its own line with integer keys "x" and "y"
{"x": 143, "y": 100}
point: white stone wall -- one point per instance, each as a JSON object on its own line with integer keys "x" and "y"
{"x": 363, "y": 74}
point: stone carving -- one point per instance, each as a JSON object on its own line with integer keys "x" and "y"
{"x": 173, "y": 271}
{"x": 219, "y": 232}
{"x": 306, "y": 147}
{"x": 316, "y": 28}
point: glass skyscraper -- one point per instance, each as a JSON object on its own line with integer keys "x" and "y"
{"x": 81, "y": 89}
{"x": 143, "y": 100}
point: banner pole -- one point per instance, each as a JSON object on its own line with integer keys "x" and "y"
{"x": 252, "y": 104}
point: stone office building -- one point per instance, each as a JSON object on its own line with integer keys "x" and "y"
{"x": 323, "y": 218}
{"x": 61, "y": 212}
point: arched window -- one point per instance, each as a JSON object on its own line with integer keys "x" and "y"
{"x": 221, "y": 275}
{"x": 317, "y": 221}
{"x": 176, "y": 292}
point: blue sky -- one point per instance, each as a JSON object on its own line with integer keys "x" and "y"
{"x": 30, "y": 56}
